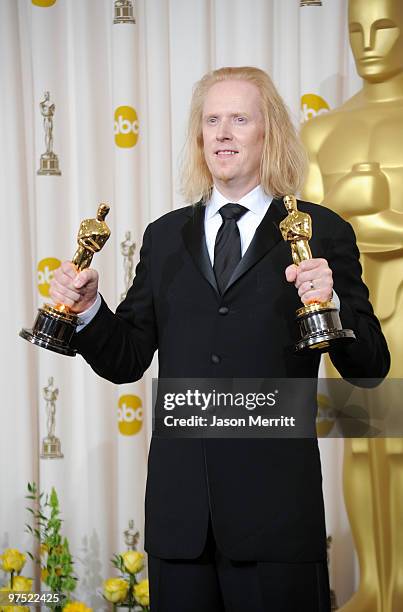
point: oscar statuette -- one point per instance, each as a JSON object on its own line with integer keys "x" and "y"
{"x": 51, "y": 445}
{"x": 49, "y": 163}
{"x": 127, "y": 248}
{"x": 319, "y": 323}
{"x": 131, "y": 536}
{"x": 55, "y": 324}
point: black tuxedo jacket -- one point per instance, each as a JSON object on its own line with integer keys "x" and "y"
{"x": 264, "y": 495}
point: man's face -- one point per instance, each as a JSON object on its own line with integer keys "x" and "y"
{"x": 233, "y": 135}
{"x": 376, "y": 37}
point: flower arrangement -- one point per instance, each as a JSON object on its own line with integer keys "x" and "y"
{"x": 54, "y": 557}
{"x": 127, "y": 591}
{"x": 56, "y": 564}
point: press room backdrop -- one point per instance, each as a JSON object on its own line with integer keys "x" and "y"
{"x": 121, "y": 93}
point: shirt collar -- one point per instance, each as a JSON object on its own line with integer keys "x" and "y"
{"x": 255, "y": 201}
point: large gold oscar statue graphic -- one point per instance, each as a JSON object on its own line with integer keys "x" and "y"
{"x": 356, "y": 168}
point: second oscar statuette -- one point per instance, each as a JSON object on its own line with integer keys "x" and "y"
{"x": 319, "y": 322}
{"x": 55, "y": 325}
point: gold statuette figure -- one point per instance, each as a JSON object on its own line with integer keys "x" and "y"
{"x": 55, "y": 325}
{"x": 296, "y": 228}
{"x": 92, "y": 235}
{"x": 356, "y": 167}
{"x": 51, "y": 447}
{"x": 319, "y": 323}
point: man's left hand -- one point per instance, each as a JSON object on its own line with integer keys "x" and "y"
{"x": 313, "y": 278}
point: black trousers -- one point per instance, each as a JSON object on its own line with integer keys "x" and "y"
{"x": 213, "y": 583}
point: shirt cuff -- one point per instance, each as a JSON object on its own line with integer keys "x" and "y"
{"x": 87, "y": 315}
{"x": 335, "y": 300}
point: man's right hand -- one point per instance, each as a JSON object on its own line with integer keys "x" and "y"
{"x": 78, "y": 291}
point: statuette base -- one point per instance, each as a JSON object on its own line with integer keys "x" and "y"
{"x": 49, "y": 165}
{"x": 51, "y": 448}
{"x": 320, "y": 327}
{"x": 124, "y": 14}
{"x": 53, "y": 330}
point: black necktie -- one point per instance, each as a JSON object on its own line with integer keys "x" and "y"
{"x": 227, "y": 249}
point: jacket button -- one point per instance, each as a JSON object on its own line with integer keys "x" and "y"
{"x": 223, "y": 310}
{"x": 215, "y": 359}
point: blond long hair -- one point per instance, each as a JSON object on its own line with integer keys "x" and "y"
{"x": 284, "y": 160}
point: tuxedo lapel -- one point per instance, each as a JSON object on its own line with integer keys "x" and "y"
{"x": 195, "y": 242}
{"x": 267, "y": 235}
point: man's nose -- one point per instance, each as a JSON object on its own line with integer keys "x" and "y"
{"x": 224, "y": 131}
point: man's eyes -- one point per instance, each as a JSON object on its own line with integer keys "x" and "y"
{"x": 236, "y": 119}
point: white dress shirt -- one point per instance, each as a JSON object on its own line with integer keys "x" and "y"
{"x": 256, "y": 201}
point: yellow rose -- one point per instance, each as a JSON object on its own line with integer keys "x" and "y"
{"x": 6, "y": 589}
{"x": 44, "y": 574}
{"x": 115, "y": 589}
{"x": 141, "y": 593}
{"x": 133, "y": 561}
{"x": 76, "y": 606}
{"x": 4, "y": 592}
{"x": 12, "y": 560}
{"x": 20, "y": 583}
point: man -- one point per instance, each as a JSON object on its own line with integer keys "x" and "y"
{"x": 232, "y": 524}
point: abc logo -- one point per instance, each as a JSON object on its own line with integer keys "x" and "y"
{"x": 312, "y": 106}
{"x": 130, "y": 414}
{"x": 326, "y": 417}
{"x": 45, "y": 274}
{"x": 44, "y": 3}
{"x": 126, "y": 126}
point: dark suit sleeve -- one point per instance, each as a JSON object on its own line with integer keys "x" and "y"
{"x": 120, "y": 347}
{"x": 368, "y": 356}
